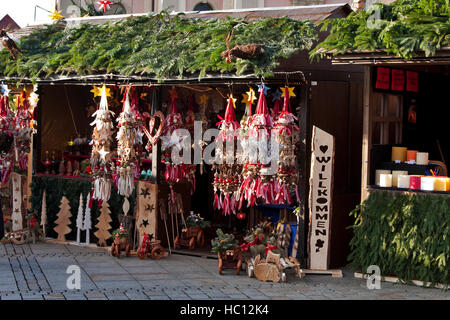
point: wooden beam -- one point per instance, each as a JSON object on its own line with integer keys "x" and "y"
{"x": 156, "y": 149}
{"x": 367, "y": 132}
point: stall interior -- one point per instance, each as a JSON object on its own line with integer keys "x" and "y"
{"x": 63, "y": 148}
{"x": 410, "y": 146}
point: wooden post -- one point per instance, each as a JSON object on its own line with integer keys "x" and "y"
{"x": 156, "y": 149}
{"x": 367, "y": 132}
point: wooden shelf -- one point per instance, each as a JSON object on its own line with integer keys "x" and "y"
{"x": 409, "y": 191}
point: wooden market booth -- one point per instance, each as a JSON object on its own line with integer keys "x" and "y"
{"x": 327, "y": 96}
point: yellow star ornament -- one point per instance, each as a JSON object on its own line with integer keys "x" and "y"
{"x": 203, "y": 99}
{"x": 106, "y": 91}
{"x": 56, "y": 15}
{"x": 251, "y": 96}
{"x": 96, "y": 91}
{"x": 234, "y": 101}
{"x": 291, "y": 91}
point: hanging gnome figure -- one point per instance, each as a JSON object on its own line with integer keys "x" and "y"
{"x": 258, "y": 181}
{"x": 25, "y": 127}
{"x": 6, "y": 136}
{"x": 227, "y": 176}
{"x": 102, "y": 134}
{"x": 126, "y": 138}
{"x": 287, "y": 134}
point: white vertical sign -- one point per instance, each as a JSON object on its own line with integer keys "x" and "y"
{"x": 320, "y": 196}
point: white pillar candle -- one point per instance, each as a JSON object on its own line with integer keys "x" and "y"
{"x": 385, "y": 180}
{"x": 427, "y": 183}
{"x": 422, "y": 158}
{"x": 403, "y": 181}
{"x": 377, "y": 175}
{"x": 395, "y": 175}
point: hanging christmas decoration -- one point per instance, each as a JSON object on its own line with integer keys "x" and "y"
{"x": 205, "y": 124}
{"x": 101, "y": 164}
{"x": 227, "y": 169}
{"x": 247, "y": 98}
{"x": 126, "y": 140}
{"x": 276, "y": 109}
{"x": 6, "y": 135}
{"x": 257, "y": 182}
{"x": 287, "y": 135}
{"x": 104, "y": 5}
{"x": 56, "y": 15}
{"x": 25, "y": 127}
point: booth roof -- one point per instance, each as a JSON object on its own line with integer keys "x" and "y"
{"x": 166, "y": 46}
{"x": 403, "y": 30}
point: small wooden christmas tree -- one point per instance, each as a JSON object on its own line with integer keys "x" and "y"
{"x": 79, "y": 220}
{"x": 62, "y": 223}
{"x": 44, "y": 213}
{"x": 87, "y": 218}
{"x": 103, "y": 225}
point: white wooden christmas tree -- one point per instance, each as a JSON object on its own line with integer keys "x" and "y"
{"x": 44, "y": 213}
{"x": 87, "y": 225}
{"x": 79, "y": 221}
{"x": 62, "y": 223}
{"x": 103, "y": 225}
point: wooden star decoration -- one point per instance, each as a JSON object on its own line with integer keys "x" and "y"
{"x": 291, "y": 91}
{"x": 277, "y": 95}
{"x": 262, "y": 86}
{"x": 145, "y": 192}
{"x": 56, "y": 15}
{"x": 4, "y": 89}
{"x": 149, "y": 207}
{"x": 103, "y": 153}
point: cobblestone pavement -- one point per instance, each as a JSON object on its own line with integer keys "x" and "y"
{"x": 38, "y": 272}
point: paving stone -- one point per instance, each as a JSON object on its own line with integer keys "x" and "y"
{"x": 159, "y": 298}
{"x": 54, "y": 296}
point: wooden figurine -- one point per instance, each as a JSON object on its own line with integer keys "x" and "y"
{"x": 120, "y": 243}
{"x": 230, "y": 259}
{"x": 63, "y": 222}
{"x": 9, "y": 44}
{"x": 103, "y": 225}
{"x": 34, "y": 230}
{"x": 149, "y": 248}
{"x": 269, "y": 269}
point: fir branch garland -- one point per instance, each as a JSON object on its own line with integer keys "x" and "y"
{"x": 161, "y": 45}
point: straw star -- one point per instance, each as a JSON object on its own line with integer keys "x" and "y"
{"x": 106, "y": 91}
{"x": 203, "y": 99}
{"x": 291, "y": 92}
{"x": 96, "y": 91}
{"x": 103, "y": 153}
{"x": 251, "y": 97}
{"x": 56, "y": 15}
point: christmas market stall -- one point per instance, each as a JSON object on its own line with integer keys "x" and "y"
{"x": 125, "y": 154}
{"x": 402, "y": 225}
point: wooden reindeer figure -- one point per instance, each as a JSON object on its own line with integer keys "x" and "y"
{"x": 9, "y": 44}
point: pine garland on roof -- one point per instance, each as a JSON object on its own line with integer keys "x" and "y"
{"x": 404, "y": 28}
{"x": 161, "y": 46}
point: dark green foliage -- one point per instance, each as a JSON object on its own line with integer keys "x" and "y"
{"x": 404, "y": 28}
{"x": 223, "y": 242}
{"x": 162, "y": 46}
{"x": 406, "y": 236}
{"x": 56, "y": 187}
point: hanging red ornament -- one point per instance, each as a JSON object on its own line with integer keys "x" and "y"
{"x": 241, "y": 216}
